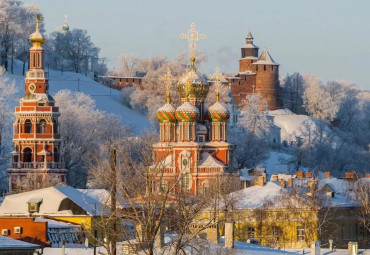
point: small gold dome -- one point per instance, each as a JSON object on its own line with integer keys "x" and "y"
{"x": 36, "y": 38}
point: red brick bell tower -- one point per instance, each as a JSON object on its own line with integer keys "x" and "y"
{"x": 37, "y": 158}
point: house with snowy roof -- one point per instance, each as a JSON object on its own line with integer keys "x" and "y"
{"x": 17, "y": 247}
{"x": 58, "y": 203}
{"x": 291, "y": 211}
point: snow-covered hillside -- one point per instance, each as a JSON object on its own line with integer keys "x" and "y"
{"x": 107, "y": 99}
{"x": 294, "y": 126}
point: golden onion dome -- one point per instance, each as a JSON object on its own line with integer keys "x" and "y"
{"x": 37, "y": 38}
{"x": 194, "y": 82}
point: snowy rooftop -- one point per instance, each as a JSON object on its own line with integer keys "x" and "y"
{"x": 56, "y": 224}
{"x": 9, "y": 243}
{"x": 209, "y": 161}
{"x": 265, "y": 59}
{"x": 254, "y": 197}
{"x": 101, "y": 195}
{"x": 52, "y": 198}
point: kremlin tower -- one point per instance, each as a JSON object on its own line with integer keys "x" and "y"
{"x": 37, "y": 157}
{"x": 193, "y": 150}
{"x": 257, "y": 74}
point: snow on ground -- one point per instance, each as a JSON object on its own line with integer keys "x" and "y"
{"x": 107, "y": 99}
{"x": 277, "y": 163}
{"x": 294, "y": 125}
{"x": 240, "y": 248}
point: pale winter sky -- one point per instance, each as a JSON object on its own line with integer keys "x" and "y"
{"x": 330, "y": 38}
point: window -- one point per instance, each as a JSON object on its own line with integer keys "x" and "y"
{"x": 55, "y": 126}
{"x": 201, "y": 138}
{"x": 41, "y": 127}
{"x": 27, "y": 155}
{"x": 250, "y": 232}
{"x": 185, "y": 181}
{"x": 38, "y": 60}
{"x": 163, "y": 186}
{"x": 264, "y": 67}
{"x": 28, "y": 127}
{"x": 33, "y": 207}
{"x": 221, "y": 132}
{"x": 276, "y": 231}
{"x": 33, "y": 60}
{"x": 300, "y": 233}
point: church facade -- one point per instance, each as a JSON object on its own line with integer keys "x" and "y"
{"x": 257, "y": 74}
{"x": 193, "y": 150}
{"x": 37, "y": 156}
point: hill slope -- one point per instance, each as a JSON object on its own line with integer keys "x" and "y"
{"x": 107, "y": 100}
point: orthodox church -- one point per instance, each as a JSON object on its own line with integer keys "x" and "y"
{"x": 37, "y": 156}
{"x": 193, "y": 149}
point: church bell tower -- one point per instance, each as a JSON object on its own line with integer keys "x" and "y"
{"x": 37, "y": 158}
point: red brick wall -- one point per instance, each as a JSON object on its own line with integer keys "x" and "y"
{"x": 32, "y": 232}
{"x": 267, "y": 84}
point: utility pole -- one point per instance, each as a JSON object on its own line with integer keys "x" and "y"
{"x": 114, "y": 199}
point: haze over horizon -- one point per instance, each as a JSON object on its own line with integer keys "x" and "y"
{"x": 327, "y": 38}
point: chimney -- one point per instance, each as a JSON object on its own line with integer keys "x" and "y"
{"x": 274, "y": 178}
{"x": 260, "y": 181}
{"x": 299, "y": 174}
{"x": 349, "y": 175}
{"x": 327, "y": 174}
{"x": 308, "y": 174}
{"x": 290, "y": 182}
{"x": 282, "y": 183}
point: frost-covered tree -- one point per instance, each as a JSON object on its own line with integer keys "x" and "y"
{"x": 72, "y": 51}
{"x": 317, "y": 100}
{"x": 293, "y": 89}
{"x": 249, "y": 150}
{"x": 7, "y": 91}
{"x": 252, "y": 118}
{"x": 128, "y": 65}
{"x": 83, "y": 129}
{"x": 17, "y": 21}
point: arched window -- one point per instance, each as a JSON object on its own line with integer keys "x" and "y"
{"x": 41, "y": 127}
{"x": 28, "y": 127}
{"x": 56, "y": 154}
{"x": 33, "y": 60}
{"x": 55, "y": 126}
{"x": 27, "y": 155}
{"x": 38, "y": 60}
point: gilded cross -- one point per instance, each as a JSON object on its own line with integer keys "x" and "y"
{"x": 192, "y": 36}
{"x": 168, "y": 79}
{"x": 218, "y": 78}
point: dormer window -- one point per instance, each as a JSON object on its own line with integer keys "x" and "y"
{"x": 201, "y": 138}
{"x": 34, "y": 205}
